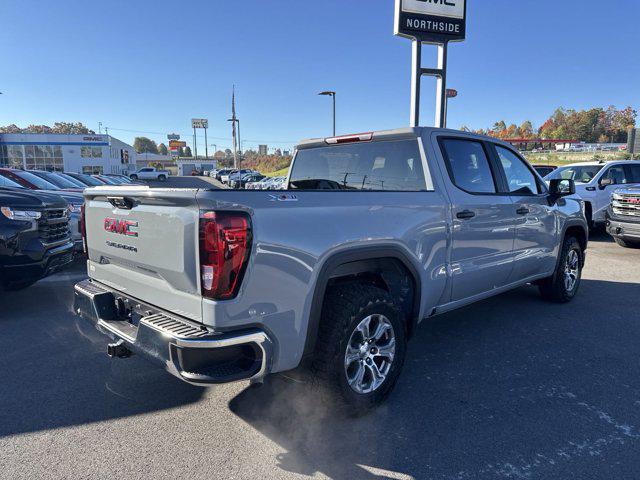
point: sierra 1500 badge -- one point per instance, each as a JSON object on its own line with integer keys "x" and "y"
{"x": 121, "y": 226}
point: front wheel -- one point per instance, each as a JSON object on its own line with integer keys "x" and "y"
{"x": 361, "y": 346}
{"x": 563, "y": 285}
{"x": 162, "y": 178}
{"x": 133, "y": 177}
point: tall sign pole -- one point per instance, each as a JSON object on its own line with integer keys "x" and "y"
{"x": 199, "y": 123}
{"x": 435, "y": 22}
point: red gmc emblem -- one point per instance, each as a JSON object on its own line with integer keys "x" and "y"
{"x": 120, "y": 226}
{"x": 633, "y": 200}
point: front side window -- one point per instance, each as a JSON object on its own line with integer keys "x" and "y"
{"x": 520, "y": 178}
{"x": 468, "y": 165}
{"x": 635, "y": 173}
{"x": 617, "y": 174}
{"x": 578, "y": 173}
{"x": 371, "y": 166}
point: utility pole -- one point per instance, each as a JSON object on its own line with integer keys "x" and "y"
{"x": 233, "y": 121}
{"x": 206, "y": 146}
{"x": 99, "y": 128}
{"x": 195, "y": 144}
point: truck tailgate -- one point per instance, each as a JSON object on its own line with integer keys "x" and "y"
{"x": 144, "y": 242}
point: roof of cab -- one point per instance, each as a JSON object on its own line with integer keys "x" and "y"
{"x": 395, "y": 134}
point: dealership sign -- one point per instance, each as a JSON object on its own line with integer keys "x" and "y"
{"x": 431, "y": 21}
{"x": 177, "y": 144}
{"x": 173, "y": 136}
{"x": 199, "y": 123}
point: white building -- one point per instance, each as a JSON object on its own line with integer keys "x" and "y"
{"x": 69, "y": 153}
{"x": 186, "y": 166}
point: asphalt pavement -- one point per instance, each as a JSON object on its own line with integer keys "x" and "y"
{"x": 512, "y": 387}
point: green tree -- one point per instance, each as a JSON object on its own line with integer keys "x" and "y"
{"x": 71, "y": 128}
{"x": 145, "y": 145}
{"x": 162, "y": 149}
{"x": 526, "y": 129}
{"x": 499, "y": 126}
{"x": 187, "y": 151}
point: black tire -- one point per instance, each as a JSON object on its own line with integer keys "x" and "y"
{"x": 555, "y": 288}
{"x": 344, "y": 308}
{"x": 626, "y": 243}
{"x": 162, "y": 178}
{"x": 133, "y": 177}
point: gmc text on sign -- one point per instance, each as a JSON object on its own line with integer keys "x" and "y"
{"x": 432, "y": 21}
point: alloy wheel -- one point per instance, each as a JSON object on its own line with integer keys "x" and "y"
{"x": 370, "y": 353}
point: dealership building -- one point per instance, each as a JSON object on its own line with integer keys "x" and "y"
{"x": 70, "y": 153}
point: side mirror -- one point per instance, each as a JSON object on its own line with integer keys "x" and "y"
{"x": 605, "y": 182}
{"x": 561, "y": 187}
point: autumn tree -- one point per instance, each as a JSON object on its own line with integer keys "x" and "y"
{"x": 145, "y": 145}
{"x": 187, "y": 151}
{"x": 162, "y": 149}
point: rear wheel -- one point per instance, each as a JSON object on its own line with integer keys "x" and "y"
{"x": 162, "y": 178}
{"x": 563, "y": 285}
{"x": 361, "y": 346}
{"x": 626, "y": 243}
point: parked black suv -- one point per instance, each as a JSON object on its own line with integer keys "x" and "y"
{"x": 34, "y": 237}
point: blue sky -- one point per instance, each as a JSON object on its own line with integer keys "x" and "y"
{"x": 151, "y": 66}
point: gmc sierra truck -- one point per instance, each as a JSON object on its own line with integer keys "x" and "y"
{"x": 34, "y": 236}
{"x": 375, "y": 233}
{"x": 623, "y": 217}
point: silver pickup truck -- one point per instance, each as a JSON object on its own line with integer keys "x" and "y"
{"x": 375, "y": 233}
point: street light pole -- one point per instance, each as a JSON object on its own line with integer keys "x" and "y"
{"x": 333, "y": 96}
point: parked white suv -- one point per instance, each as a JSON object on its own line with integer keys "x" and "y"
{"x": 596, "y": 182}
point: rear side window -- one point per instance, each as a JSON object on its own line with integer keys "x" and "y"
{"x": 372, "y": 166}
{"x": 468, "y": 165}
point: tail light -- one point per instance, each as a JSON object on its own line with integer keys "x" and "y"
{"x": 83, "y": 228}
{"x": 225, "y": 243}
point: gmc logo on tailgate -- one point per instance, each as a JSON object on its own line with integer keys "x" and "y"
{"x": 121, "y": 227}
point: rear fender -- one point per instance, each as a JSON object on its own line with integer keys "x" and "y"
{"x": 389, "y": 262}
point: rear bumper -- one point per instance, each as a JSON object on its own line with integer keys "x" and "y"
{"x": 189, "y": 351}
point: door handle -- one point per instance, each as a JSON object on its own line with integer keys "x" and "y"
{"x": 465, "y": 214}
{"x": 522, "y": 211}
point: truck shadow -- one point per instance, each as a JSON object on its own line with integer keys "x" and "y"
{"x": 56, "y": 373}
{"x": 509, "y": 387}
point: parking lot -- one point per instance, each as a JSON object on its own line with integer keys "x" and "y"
{"x": 512, "y": 387}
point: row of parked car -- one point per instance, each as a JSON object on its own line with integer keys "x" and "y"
{"x": 40, "y": 221}
{"x": 611, "y": 194}
{"x": 248, "y": 179}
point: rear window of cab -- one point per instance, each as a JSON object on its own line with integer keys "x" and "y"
{"x": 394, "y": 165}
